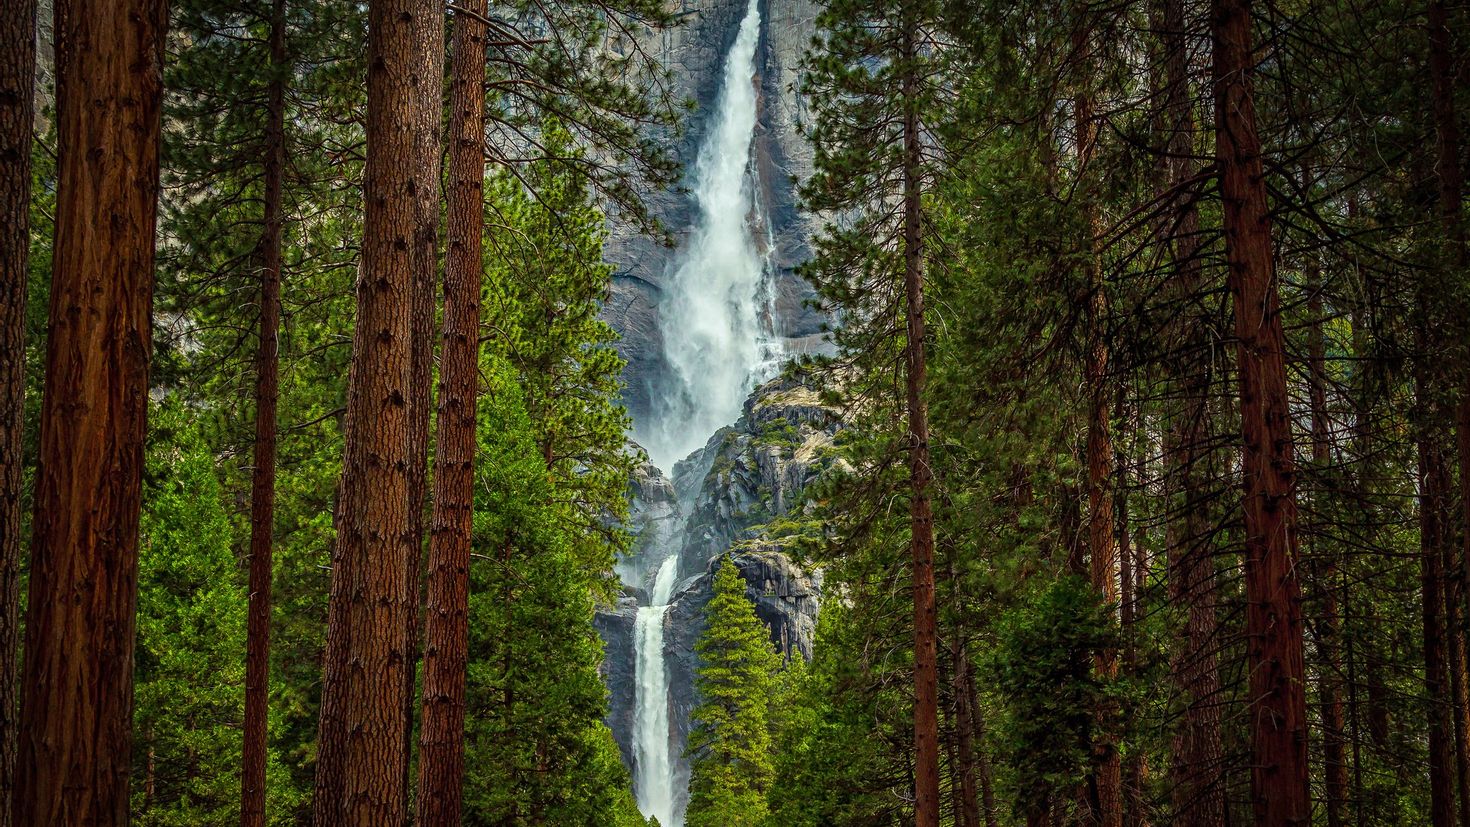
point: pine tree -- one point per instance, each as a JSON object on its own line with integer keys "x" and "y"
{"x": 730, "y": 745}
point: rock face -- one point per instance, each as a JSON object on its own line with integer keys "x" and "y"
{"x": 694, "y": 52}
{"x": 718, "y": 503}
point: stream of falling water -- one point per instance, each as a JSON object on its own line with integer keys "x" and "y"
{"x": 717, "y": 324}
{"x": 651, "y": 716}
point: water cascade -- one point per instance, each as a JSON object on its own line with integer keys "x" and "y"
{"x": 719, "y": 343}
{"x": 715, "y": 315}
{"x": 651, "y": 716}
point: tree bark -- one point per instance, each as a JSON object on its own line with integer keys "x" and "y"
{"x": 1457, "y": 258}
{"x": 263, "y": 474}
{"x": 1432, "y": 488}
{"x": 1198, "y": 794}
{"x": 921, "y": 540}
{"x": 362, "y": 753}
{"x": 441, "y": 744}
{"x": 1333, "y": 723}
{"x": 967, "y": 813}
{"x": 1107, "y": 774}
{"x": 428, "y": 116}
{"x": 17, "y": 116}
{"x": 1279, "y": 788}
{"x": 75, "y": 734}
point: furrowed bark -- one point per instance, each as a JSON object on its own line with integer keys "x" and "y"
{"x": 75, "y": 735}
{"x": 926, "y": 655}
{"x": 362, "y": 762}
{"x": 1278, "y": 725}
{"x": 17, "y": 116}
{"x": 1197, "y": 792}
{"x": 446, "y": 629}
{"x": 263, "y": 474}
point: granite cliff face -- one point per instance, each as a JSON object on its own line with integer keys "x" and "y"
{"x": 694, "y": 52}
{"x": 718, "y": 502}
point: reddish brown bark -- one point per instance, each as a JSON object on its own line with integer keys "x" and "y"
{"x": 1433, "y": 485}
{"x": 1197, "y": 792}
{"x": 1334, "y": 727}
{"x": 446, "y": 630}
{"x": 1106, "y": 791}
{"x": 263, "y": 474}
{"x": 76, "y": 710}
{"x": 428, "y": 114}
{"x": 1456, "y": 258}
{"x": 362, "y": 753}
{"x": 966, "y": 789}
{"x": 921, "y": 519}
{"x": 17, "y": 114}
{"x": 1278, "y": 725}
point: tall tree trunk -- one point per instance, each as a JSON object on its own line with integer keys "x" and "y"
{"x": 1198, "y": 792}
{"x": 1333, "y": 726}
{"x": 1279, "y": 788}
{"x": 75, "y": 734}
{"x": 967, "y": 813}
{"x": 1432, "y": 488}
{"x": 17, "y": 115}
{"x": 446, "y": 629}
{"x": 921, "y": 541}
{"x": 1107, "y": 776}
{"x": 428, "y": 118}
{"x": 362, "y": 755}
{"x": 1456, "y": 258}
{"x": 263, "y": 475}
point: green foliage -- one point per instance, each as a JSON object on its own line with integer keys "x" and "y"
{"x": 1043, "y": 670}
{"x": 730, "y": 744}
{"x": 189, "y": 664}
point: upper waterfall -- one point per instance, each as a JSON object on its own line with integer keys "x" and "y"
{"x": 716, "y": 315}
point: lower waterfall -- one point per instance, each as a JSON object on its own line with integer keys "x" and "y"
{"x": 655, "y": 785}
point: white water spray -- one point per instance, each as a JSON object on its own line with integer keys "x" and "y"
{"x": 716, "y": 315}
{"x": 651, "y": 716}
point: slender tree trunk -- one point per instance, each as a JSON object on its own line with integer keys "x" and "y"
{"x": 1198, "y": 793}
{"x": 967, "y": 813}
{"x": 75, "y": 735}
{"x": 1135, "y": 770}
{"x": 17, "y": 115}
{"x": 1457, "y": 258}
{"x": 1333, "y": 726}
{"x": 263, "y": 475}
{"x": 1107, "y": 778}
{"x": 926, "y": 671}
{"x": 362, "y": 756}
{"x": 441, "y": 745}
{"x": 428, "y": 117}
{"x": 1278, "y": 725}
{"x": 1432, "y": 488}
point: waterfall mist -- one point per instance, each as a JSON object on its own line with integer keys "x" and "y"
{"x": 715, "y": 315}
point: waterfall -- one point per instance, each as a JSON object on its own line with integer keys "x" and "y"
{"x": 655, "y": 785}
{"x": 716, "y": 314}
{"x": 717, "y": 321}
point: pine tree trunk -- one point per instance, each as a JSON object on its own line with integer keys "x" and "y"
{"x": 446, "y": 629}
{"x": 921, "y": 541}
{"x": 1107, "y": 776}
{"x": 362, "y": 754}
{"x": 967, "y": 813}
{"x": 1432, "y": 487}
{"x": 428, "y": 117}
{"x": 1198, "y": 793}
{"x": 1456, "y": 258}
{"x": 263, "y": 474}
{"x": 1333, "y": 726}
{"x": 17, "y": 115}
{"x": 75, "y": 735}
{"x": 1278, "y": 725}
